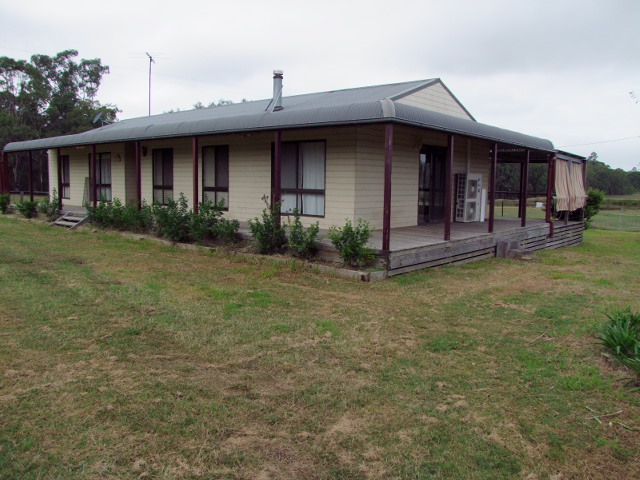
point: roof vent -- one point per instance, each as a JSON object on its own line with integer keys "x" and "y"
{"x": 276, "y": 103}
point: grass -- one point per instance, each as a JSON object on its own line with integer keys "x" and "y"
{"x": 625, "y": 219}
{"x": 127, "y": 359}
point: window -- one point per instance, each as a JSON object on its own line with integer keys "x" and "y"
{"x": 65, "y": 181}
{"x": 215, "y": 174}
{"x": 103, "y": 176}
{"x": 302, "y": 177}
{"x": 162, "y": 175}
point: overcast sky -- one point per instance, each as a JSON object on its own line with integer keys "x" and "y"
{"x": 557, "y": 69}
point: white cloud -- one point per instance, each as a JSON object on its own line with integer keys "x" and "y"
{"x": 560, "y": 69}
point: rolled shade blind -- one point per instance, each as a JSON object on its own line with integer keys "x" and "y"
{"x": 569, "y": 184}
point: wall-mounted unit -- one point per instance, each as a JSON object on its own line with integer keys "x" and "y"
{"x": 469, "y": 197}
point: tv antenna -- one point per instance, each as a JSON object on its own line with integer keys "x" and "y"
{"x": 151, "y": 60}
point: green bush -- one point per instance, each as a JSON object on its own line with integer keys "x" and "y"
{"x": 173, "y": 220}
{"x": 302, "y": 243}
{"x": 226, "y": 229}
{"x": 268, "y": 232}
{"x": 50, "y": 207}
{"x": 621, "y": 336}
{"x": 351, "y": 241}
{"x": 5, "y": 200}
{"x": 27, "y": 208}
{"x": 595, "y": 199}
{"x": 121, "y": 217}
{"x": 202, "y": 223}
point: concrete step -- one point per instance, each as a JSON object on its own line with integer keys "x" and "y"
{"x": 64, "y": 223}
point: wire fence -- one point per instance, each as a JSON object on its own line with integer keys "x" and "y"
{"x": 625, "y": 219}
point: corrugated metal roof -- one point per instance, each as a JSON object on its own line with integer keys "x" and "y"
{"x": 339, "y": 107}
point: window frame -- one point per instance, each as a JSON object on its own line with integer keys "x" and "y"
{"x": 163, "y": 187}
{"x": 299, "y": 192}
{"x": 100, "y": 185}
{"x": 65, "y": 177}
{"x": 219, "y": 151}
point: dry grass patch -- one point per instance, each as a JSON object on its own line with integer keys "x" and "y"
{"x": 122, "y": 358}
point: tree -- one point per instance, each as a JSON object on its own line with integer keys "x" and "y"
{"x": 45, "y": 97}
{"x": 612, "y": 182}
{"x": 199, "y": 105}
{"x": 49, "y": 96}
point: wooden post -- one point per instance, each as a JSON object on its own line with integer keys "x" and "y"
{"x": 4, "y": 174}
{"x": 388, "y": 164}
{"x": 276, "y": 195}
{"x": 584, "y": 184}
{"x": 492, "y": 186}
{"x": 31, "y": 175}
{"x": 92, "y": 176}
{"x": 59, "y": 161}
{"x": 523, "y": 194}
{"x": 551, "y": 173}
{"x": 138, "y": 175}
{"x": 521, "y": 187}
{"x": 525, "y": 188}
{"x": 194, "y": 148}
{"x": 448, "y": 171}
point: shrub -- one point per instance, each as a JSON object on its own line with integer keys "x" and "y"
{"x": 595, "y": 199}
{"x": 226, "y": 229}
{"x": 5, "y": 200}
{"x": 27, "y": 208}
{"x": 50, "y": 208}
{"x": 302, "y": 243}
{"x": 621, "y": 336}
{"x": 121, "y": 217}
{"x": 351, "y": 241}
{"x": 173, "y": 219}
{"x": 269, "y": 233}
{"x": 202, "y": 223}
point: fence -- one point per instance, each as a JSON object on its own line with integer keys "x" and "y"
{"x": 625, "y": 219}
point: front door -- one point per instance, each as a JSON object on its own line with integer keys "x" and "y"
{"x": 431, "y": 185}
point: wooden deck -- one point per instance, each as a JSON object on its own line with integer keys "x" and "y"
{"x": 414, "y": 248}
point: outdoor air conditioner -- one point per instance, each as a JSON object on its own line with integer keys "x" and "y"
{"x": 469, "y": 197}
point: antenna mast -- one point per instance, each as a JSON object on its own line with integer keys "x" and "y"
{"x": 151, "y": 60}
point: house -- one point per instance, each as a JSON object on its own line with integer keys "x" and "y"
{"x": 408, "y": 158}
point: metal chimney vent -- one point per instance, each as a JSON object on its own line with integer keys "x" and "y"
{"x": 276, "y": 103}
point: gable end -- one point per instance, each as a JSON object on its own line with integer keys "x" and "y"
{"x": 435, "y": 96}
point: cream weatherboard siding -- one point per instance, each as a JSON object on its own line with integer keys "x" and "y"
{"x": 78, "y": 171}
{"x": 404, "y": 178}
{"x": 52, "y": 155}
{"x": 436, "y": 98}
{"x": 118, "y": 184}
{"x": 354, "y": 170}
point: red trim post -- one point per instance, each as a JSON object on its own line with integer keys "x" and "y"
{"x": 584, "y": 185}
{"x": 276, "y": 194}
{"x": 492, "y": 186}
{"x": 194, "y": 148}
{"x": 59, "y": 161}
{"x": 551, "y": 173}
{"x": 138, "y": 175}
{"x": 31, "y": 175}
{"x": 92, "y": 175}
{"x": 525, "y": 186}
{"x": 448, "y": 171}
{"x": 4, "y": 173}
{"x": 388, "y": 164}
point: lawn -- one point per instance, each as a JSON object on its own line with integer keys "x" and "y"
{"x": 126, "y": 359}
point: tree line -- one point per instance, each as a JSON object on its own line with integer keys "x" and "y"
{"x": 47, "y": 96}
{"x": 599, "y": 175}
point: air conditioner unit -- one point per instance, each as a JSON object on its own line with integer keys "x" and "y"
{"x": 469, "y": 197}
